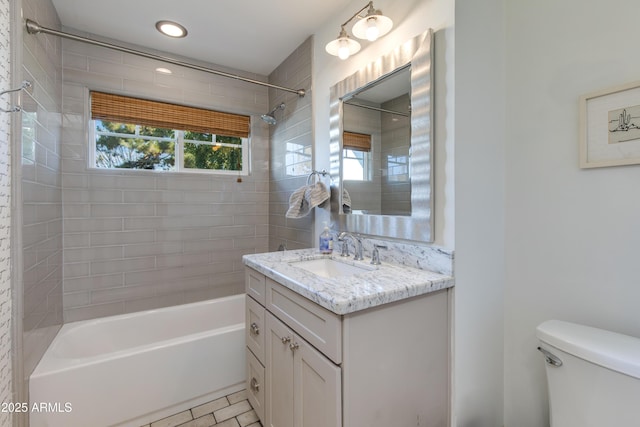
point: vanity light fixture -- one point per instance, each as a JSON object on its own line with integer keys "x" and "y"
{"x": 369, "y": 27}
{"x": 171, "y": 29}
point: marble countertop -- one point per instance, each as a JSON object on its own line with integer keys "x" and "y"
{"x": 383, "y": 284}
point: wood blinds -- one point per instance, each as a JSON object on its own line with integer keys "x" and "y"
{"x": 123, "y": 109}
{"x": 356, "y": 141}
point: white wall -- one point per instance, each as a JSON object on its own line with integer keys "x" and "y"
{"x": 572, "y": 235}
{"x": 479, "y": 215}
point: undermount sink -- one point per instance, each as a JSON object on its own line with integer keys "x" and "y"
{"x": 330, "y": 267}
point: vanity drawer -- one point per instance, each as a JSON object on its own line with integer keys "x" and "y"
{"x": 255, "y": 385}
{"x": 255, "y": 285}
{"x": 254, "y": 330}
{"x": 319, "y": 326}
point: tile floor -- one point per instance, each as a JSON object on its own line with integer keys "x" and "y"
{"x": 233, "y": 410}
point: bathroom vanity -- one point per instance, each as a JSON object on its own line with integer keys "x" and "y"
{"x": 334, "y": 342}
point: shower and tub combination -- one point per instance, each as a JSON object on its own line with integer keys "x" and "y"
{"x": 129, "y": 370}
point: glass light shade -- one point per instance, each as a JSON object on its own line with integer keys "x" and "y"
{"x": 343, "y": 47}
{"x": 372, "y": 26}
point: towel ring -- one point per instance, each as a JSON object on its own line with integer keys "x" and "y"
{"x": 322, "y": 172}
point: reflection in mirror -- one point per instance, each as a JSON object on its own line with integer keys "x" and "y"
{"x": 376, "y": 142}
{"x": 381, "y": 144}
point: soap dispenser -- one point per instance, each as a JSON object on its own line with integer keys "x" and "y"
{"x": 326, "y": 240}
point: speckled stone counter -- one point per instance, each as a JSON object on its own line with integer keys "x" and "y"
{"x": 347, "y": 294}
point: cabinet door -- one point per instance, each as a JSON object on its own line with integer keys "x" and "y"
{"x": 317, "y": 388}
{"x": 279, "y": 396}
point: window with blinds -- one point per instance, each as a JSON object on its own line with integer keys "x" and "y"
{"x": 133, "y": 133}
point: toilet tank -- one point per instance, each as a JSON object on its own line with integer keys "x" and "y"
{"x": 597, "y": 382}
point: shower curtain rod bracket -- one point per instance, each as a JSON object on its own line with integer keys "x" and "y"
{"x": 34, "y": 28}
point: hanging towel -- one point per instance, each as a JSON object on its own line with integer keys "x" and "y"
{"x": 298, "y": 204}
{"x": 316, "y": 194}
{"x": 346, "y": 198}
{"x": 346, "y": 201}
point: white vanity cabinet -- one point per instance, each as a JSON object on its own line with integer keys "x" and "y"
{"x": 379, "y": 367}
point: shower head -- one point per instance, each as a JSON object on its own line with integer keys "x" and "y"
{"x": 270, "y": 118}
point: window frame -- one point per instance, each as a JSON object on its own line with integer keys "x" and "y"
{"x": 179, "y": 146}
{"x": 366, "y": 164}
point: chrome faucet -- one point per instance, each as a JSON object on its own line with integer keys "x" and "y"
{"x": 357, "y": 242}
{"x": 375, "y": 256}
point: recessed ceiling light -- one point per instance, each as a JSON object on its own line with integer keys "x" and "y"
{"x": 171, "y": 29}
{"x": 164, "y": 70}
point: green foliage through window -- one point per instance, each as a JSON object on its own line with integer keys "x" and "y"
{"x": 130, "y": 146}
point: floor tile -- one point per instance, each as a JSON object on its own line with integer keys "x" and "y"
{"x": 232, "y": 422}
{"x": 206, "y": 421}
{"x": 237, "y": 397}
{"x": 247, "y": 418}
{"x": 173, "y": 420}
{"x": 232, "y": 411}
{"x": 210, "y": 407}
{"x": 229, "y": 411}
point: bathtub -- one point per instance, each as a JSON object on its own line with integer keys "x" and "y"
{"x": 131, "y": 369}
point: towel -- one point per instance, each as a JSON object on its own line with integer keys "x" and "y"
{"x": 304, "y": 198}
{"x": 346, "y": 201}
{"x": 316, "y": 194}
{"x": 298, "y": 204}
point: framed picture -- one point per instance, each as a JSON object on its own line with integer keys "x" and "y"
{"x": 610, "y": 127}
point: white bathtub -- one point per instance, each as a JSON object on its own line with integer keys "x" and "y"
{"x": 131, "y": 369}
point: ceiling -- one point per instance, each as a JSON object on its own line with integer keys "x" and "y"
{"x": 248, "y": 35}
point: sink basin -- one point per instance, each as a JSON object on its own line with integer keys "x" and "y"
{"x": 330, "y": 267}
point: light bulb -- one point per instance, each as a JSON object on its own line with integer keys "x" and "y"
{"x": 372, "y": 31}
{"x": 343, "y": 50}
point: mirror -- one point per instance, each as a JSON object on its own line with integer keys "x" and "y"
{"x": 381, "y": 142}
{"x": 376, "y": 146}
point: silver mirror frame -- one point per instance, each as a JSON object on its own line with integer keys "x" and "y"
{"x": 419, "y": 226}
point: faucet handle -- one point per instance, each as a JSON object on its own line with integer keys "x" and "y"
{"x": 375, "y": 256}
{"x": 345, "y": 248}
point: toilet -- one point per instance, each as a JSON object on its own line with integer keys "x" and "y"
{"x": 593, "y": 375}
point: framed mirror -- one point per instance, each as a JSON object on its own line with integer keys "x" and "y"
{"x": 381, "y": 142}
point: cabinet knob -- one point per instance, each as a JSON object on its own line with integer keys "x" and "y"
{"x": 294, "y": 346}
{"x": 255, "y": 385}
{"x": 255, "y": 329}
{"x": 285, "y": 340}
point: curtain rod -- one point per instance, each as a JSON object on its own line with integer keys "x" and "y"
{"x": 34, "y": 28}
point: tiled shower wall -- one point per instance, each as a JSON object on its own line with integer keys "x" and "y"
{"x": 39, "y": 191}
{"x": 137, "y": 240}
{"x": 5, "y": 220}
{"x": 291, "y": 149}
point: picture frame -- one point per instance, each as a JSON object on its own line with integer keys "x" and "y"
{"x": 610, "y": 127}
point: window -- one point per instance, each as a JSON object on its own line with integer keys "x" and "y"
{"x": 133, "y": 133}
{"x": 356, "y": 156}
